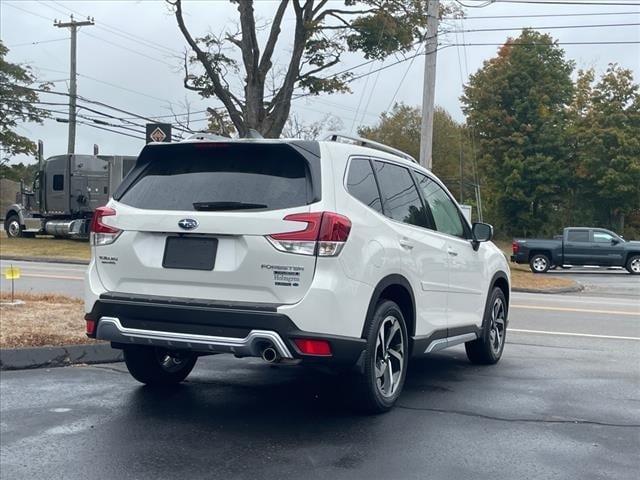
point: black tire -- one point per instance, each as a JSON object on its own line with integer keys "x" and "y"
{"x": 145, "y": 364}
{"x": 539, "y": 263}
{"x": 488, "y": 349}
{"x": 372, "y": 396}
{"x": 633, "y": 265}
{"x": 12, "y": 226}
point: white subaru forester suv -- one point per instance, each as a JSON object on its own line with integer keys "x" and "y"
{"x": 336, "y": 253}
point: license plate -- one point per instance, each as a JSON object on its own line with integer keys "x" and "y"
{"x": 190, "y": 253}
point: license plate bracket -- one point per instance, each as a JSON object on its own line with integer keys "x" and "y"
{"x": 190, "y": 253}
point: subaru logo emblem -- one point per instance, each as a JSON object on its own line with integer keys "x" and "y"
{"x": 188, "y": 223}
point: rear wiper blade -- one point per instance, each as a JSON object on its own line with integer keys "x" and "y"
{"x": 227, "y": 205}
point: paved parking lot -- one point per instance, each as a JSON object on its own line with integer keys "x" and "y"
{"x": 557, "y": 406}
{"x": 563, "y": 403}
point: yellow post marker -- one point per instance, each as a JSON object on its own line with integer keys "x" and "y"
{"x": 12, "y": 273}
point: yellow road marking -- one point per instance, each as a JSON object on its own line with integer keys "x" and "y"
{"x": 577, "y": 310}
{"x": 571, "y": 334}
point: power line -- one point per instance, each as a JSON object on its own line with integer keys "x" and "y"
{"x": 106, "y": 105}
{"x": 122, "y": 33}
{"x": 549, "y": 27}
{"x": 37, "y": 42}
{"x": 27, "y": 11}
{"x": 487, "y": 17}
{"x": 568, "y": 2}
{"x": 621, "y": 42}
{"x": 128, "y": 49}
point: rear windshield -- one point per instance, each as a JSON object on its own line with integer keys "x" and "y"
{"x": 222, "y": 179}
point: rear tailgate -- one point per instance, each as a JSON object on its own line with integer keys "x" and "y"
{"x": 242, "y": 193}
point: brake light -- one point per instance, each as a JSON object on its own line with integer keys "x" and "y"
{"x": 515, "y": 246}
{"x": 320, "y": 348}
{"x": 102, "y": 234}
{"x": 324, "y": 235}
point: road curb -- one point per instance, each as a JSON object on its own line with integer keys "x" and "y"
{"x": 573, "y": 289}
{"x": 45, "y": 357}
{"x": 20, "y": 258}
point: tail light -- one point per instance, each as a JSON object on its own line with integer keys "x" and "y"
{"x": 102, "y": 234}
{"x": 515, "y": 246}
{"x": 324, "y": 235}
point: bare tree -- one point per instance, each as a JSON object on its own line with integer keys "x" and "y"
{"x": 376, "y": 28}
{"x": 294, "y": 127}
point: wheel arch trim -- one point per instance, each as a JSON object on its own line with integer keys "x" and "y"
{"x": 498, "y": 278}
{"x": 388, "y": 281}
{"x": 16, "y": 209}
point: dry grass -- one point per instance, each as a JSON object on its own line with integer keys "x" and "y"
{"x": 44, "y": 247}
{"x": 42, "y": 320}
{"x": 528, "y": 280}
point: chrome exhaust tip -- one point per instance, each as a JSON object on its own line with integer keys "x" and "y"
{"x": 270, "y": 355}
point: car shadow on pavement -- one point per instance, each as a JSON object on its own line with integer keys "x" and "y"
{"x": 270, "y": 395}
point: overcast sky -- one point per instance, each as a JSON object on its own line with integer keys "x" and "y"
{"x": 142, "y": 75}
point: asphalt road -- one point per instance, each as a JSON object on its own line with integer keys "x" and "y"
{"x": 43, "y": 277}
{"x": 563, "y": 403}
{"x": 602, "y": 281}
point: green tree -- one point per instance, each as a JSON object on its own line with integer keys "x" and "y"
{"x": 400, "y": 128}
{"x": 19, "y": 172}
{"x": 17, "y": 105}
{"x": 605, "y": 136}
{"x": 517, "y": 105}
{"x": 256, "y": 88}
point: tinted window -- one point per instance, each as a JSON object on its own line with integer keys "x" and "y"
{"x": 58, "y": 182}
{"x": 362, "y": 184}
{"x": 602, "y": 237}
{"x": 444, "y": 211}
{"x": 400, "y": 196}
{"x": 578, "y": 236}
{"x": 257, "y": 177}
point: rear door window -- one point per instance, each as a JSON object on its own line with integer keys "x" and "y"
{"x": 400, "y": 197}
{"x": 578, "y": 236}
{"x": 220, "y": 178}
{"x": 362, "y": 184}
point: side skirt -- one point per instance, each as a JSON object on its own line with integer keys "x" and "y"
{"x": 445, "y": 338}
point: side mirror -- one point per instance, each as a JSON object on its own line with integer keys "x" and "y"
{"x": 615, "y": 241}
{"x": 481, "y": 232}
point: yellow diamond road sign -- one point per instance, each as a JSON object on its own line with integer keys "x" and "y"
{"x": 12, "y": 273}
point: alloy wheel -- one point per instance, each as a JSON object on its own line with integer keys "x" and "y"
{"x": 539, "y": 264}
{"x": 635, "y": 265}
{"x": 497, "y": 328}
{"x": 389, "y": 356}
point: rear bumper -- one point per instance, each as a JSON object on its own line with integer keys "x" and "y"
{"x": 519, "y": 258}
{"x": 209, "y": 327}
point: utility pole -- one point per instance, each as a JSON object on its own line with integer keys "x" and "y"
{"x": 429, "y": 88}
{"x": 73, "y": 25}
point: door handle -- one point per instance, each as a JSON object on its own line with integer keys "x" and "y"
{"x": 406, "y": 244}
{"x": 452, "y": 252}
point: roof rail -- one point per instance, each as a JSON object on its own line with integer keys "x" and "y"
{"x": 364, "y": 142}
